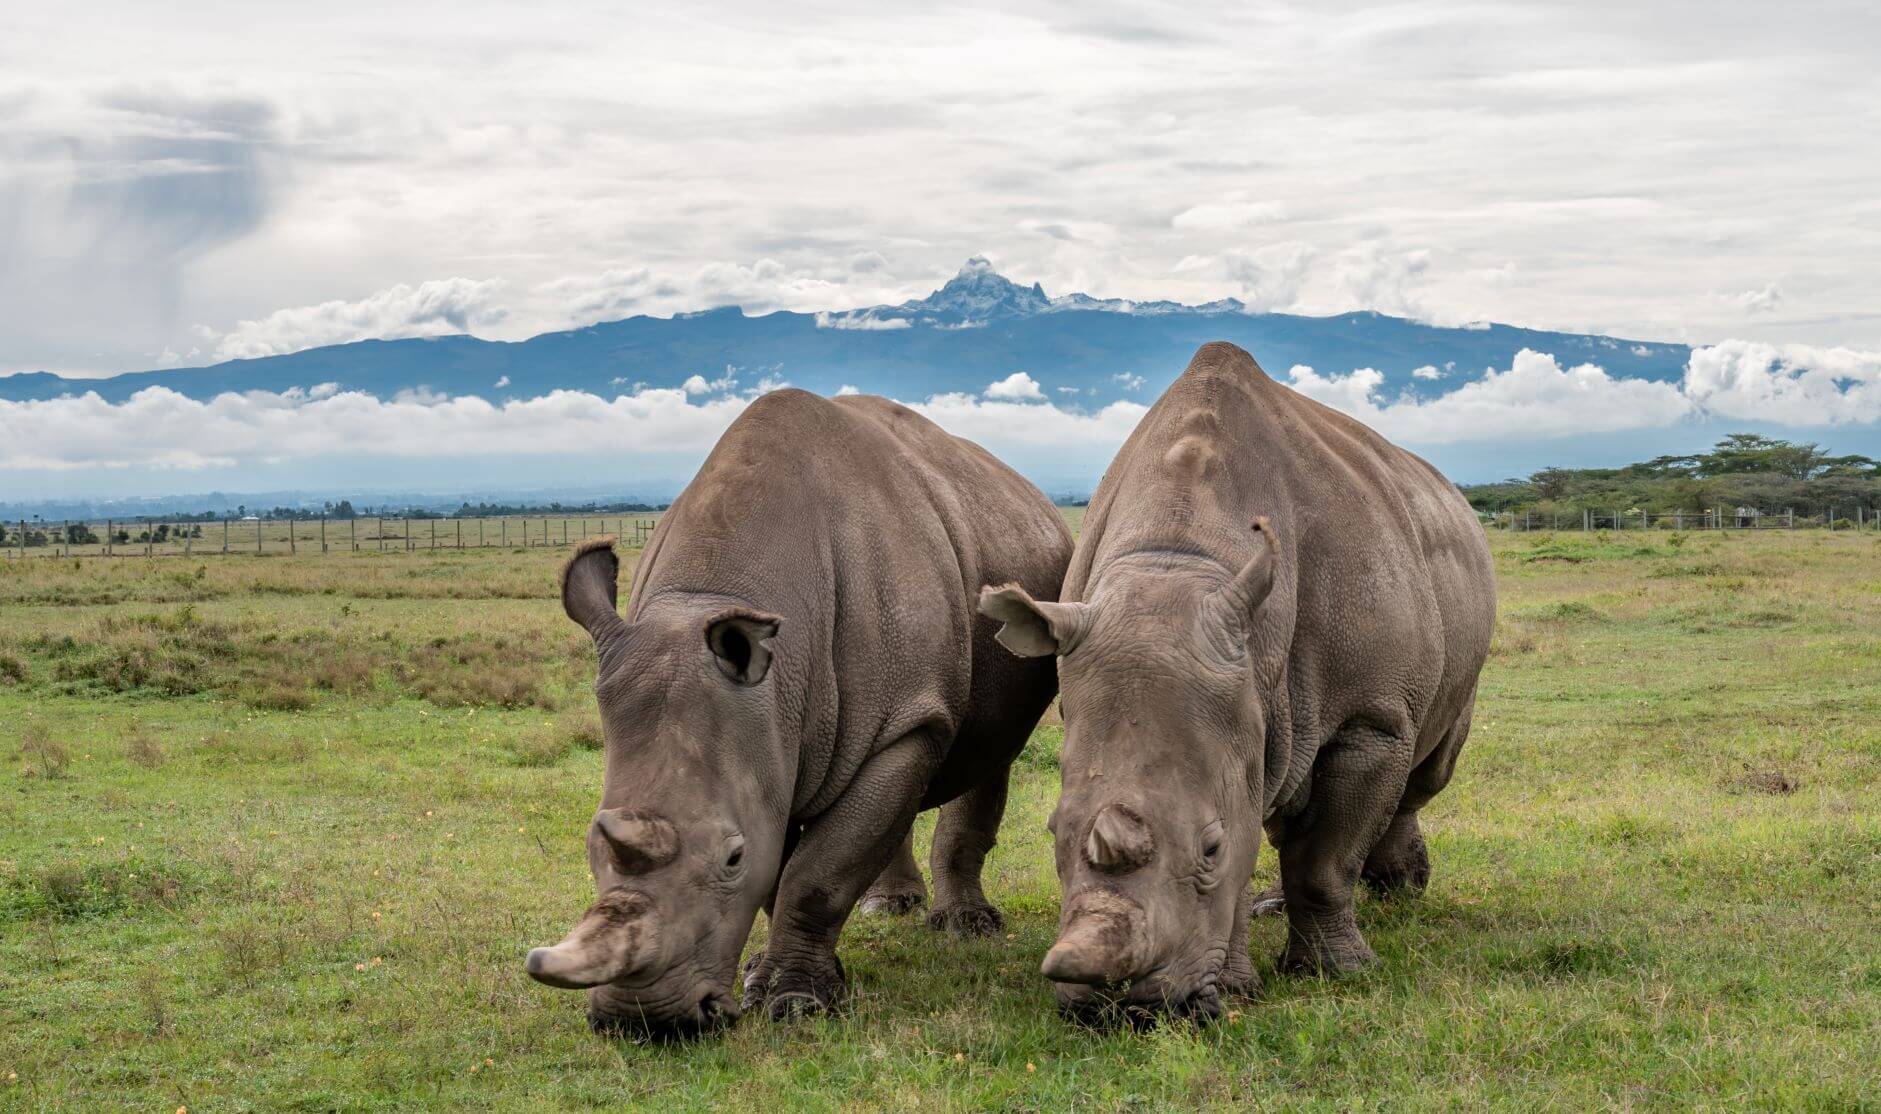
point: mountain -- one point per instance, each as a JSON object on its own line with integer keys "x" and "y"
{"x": 978, "y": 327}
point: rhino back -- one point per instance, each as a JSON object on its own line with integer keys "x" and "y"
{"x": 869, "y": 530}
{"x": 1386, "y": 598}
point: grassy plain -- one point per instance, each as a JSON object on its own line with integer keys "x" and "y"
{"x": 275, "y": 833}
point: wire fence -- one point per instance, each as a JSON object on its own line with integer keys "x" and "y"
{"x": 1714, "y": 518}
{"x": 156, "y": 537}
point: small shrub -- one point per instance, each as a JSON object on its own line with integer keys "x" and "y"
{"x": 1772, "y": 781}
{"x": 541, "y": 748}
{"x": 342, "y": 672}
{"x": 276, "y": 695}
{"x": 13, "y": 670}
{"x": 144, "y": 749}
{"x": 43, "y": 756}
{"x": 1513, "y": 638}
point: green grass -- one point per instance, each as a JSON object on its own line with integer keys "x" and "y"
{"x": 276, "y": 832}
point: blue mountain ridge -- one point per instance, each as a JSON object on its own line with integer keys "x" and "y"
{"x": 977, "y": 328}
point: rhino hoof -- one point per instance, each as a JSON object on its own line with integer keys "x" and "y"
{"x": 967, "y": 920}
{"x": 1268, "y": 903}
{"x": 793, "y": 1004}
{"x": 1328, "y": 962}
{"x": 892, "y": 904}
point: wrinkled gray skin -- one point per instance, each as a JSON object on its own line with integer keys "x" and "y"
{"x": 1278, "y": 619}
{"x": 799, "y": 672}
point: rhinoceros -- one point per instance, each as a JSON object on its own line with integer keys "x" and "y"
{"x": 799, "y": 672}
{"x": 1273, "y": 617}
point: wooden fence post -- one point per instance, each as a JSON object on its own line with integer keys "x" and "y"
{"x": 290, "y": 535}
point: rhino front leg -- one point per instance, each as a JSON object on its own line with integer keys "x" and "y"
{"x": 968, "y": 828}
{"x": 900, "y": 888}
{"x": 840, "y": 853}
{"x": 1358, "y": 780}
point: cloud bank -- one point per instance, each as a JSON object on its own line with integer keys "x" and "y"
{"x": 1536, "y": 398}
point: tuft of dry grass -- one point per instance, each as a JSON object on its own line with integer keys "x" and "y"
{"x": 1769, "y": 780}
{"x": 42, "y": 755}
{"x": 144, "y": 749}
{"x": 277, "y": 695}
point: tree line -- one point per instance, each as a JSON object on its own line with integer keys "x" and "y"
{"x": 1742, "y": 470}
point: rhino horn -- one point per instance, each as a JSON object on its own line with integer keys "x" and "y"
{"x": 636, "y": 841}
{"x": 1102, "y": 942}
{"x": 1119, "y": 841}
{"x": 613, "y": 940}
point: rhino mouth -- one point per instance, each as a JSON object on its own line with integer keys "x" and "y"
{"x": 712, "y": 1011}
{"x": 1141, "y": 1004}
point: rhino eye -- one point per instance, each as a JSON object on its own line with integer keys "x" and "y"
{"x": 1211, "y": 843}
{"x": 735, "y": 854}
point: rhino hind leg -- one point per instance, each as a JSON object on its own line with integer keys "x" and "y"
{"x": 899, "y": 890}
{"x": 1358, "y": 780}
{"x": 1400, "y": 862}
{"x": 966, "y": 832}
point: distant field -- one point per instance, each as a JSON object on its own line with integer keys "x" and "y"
{"x": 276, "y": 832}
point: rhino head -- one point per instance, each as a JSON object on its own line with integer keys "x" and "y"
{"x": 689, "y": 838}
{"x": 1158, "y": 818}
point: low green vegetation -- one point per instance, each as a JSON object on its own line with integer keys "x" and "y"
{"x": 1743, "y": 470}
{"x": 276, "y": 832}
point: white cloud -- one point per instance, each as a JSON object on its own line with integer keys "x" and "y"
{"x": 1268, "y": 279}
{"x": 1379, "y": 278}
{"x": 1229, "y": 213}
{"x": 847, "y": 389}
{"x": 1128, "y": 381}
{"x": 1764, "y": 299}
{"x": 998, "y": 424}
{"x": 826, "y": 320}
{"x": 1428, "y": 371}
{"x": 1789, "y": 384}
{"x": 700, "y": 385}
{"x": 261, "y": 427}
{"x": 501, "y": 382}
{"x": 1065, "y": 390}
{"x": 439, "y": 307}
{"x": 1017, "y": 387}
{"x": 1535, "y": 398}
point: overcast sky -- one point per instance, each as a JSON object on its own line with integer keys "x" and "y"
{"x": 1671, "y": 171}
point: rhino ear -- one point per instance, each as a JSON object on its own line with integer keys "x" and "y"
{"x": 736, "y": 638}
{"x": 590, "y": 589}
{"x": 1250, "y": 587}
{"x": 1032, "y": 629}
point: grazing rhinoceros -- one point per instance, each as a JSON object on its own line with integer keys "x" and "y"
{"x": 799, "y": 672}
{"x": 1273, "y": 617}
